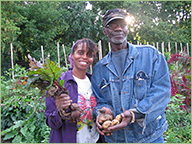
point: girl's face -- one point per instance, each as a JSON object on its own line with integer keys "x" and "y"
{"x": 82, "y": 58}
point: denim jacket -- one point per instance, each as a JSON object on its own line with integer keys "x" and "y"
{"x": 146, "y": 89}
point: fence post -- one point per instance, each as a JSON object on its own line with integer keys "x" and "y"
{"x": 42, "y": 54}
{"x": 137, "y": 42}
{"x": 12, "y": 66}
{"x": 65, "y": 56}
{"x": 91, "y": 69}
{"x": 58, "y": 53}
{"x": 157, "y": 46}
{"x": 100, "y": 50}
{"x": 176, "y": 46}
{"x": 181, "y": 47}
{"x": 162, "y": 45}
{"x": 169, "y": 46}
{"x": 109, "y": 46}
{"x": 188, "y": 48}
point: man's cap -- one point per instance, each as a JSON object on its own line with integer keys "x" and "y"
{"x": 114, "y": 14}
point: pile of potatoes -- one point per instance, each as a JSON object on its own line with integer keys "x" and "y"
{"x": 106, "y": 120}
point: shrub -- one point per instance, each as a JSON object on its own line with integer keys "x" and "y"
{"x": 180, "y": 74}
{"x": 22, "y": 113}
{"x": 177, "y": 114}
{"x": 179, "y": 122}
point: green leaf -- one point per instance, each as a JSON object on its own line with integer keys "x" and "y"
{"x": 61, "y": 83}
{"x": 58, "y": 74}
{"x": 24, "y": 131}
{"x": 12, "y": 128}
{"x": 54, "y": 68}
{"x": 32, "y": 127}
{"x": 19, "y": 123}
{"x": 10, "y": 134}
{"x": 17, "y": 139}
{"x": 30, "y": 80}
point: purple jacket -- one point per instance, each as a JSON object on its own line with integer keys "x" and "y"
{"x": 62, "y": 131}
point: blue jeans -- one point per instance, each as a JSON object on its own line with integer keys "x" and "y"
{"x": 159, "y": 140}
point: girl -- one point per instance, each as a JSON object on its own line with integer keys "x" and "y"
{"x": 77, "y": 82}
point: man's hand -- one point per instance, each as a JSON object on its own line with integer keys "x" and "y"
{"x": 99, "y": 127}
{"x": 126, "y": 118}
{"x": 63, "y": 101}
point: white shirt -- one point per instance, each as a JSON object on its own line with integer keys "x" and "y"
{"x": 87, "y": 132}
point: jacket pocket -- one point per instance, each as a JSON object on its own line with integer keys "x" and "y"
{"x": 140, "y": 85}
{"x": 104, "y": 86}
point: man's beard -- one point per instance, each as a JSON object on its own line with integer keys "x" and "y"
{"x": 118, "y": 41}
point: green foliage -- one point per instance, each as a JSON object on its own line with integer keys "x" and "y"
{"x": 29, "y": 125}
{"x": 42, "y": 26}
{"x": 177, "y": 112}
{"x": 22, "y": 113}
{"x": 10, "y": 17}
{"x": 44, "y": 75}
{"x": 10, "y": 32}
{"x": 179, "y": 122}
{"x": 8, "y": 83}
{"x": 157, "y": 21}
{"x": 32, "y": 24}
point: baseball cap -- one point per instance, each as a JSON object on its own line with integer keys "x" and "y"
{"x": 114, "y": 14}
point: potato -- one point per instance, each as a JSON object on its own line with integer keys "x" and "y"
{"x": 115, "y": 122}
{"x": 118, "y": 117}
{"x": 107, "y": 124}
{"x": 104, "y": 117}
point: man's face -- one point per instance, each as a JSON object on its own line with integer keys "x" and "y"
{"x": 117, "y": 31}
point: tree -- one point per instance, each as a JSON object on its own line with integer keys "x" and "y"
{"x": 30, "y": 24}
{"x": 153, "y": 20}
{"x": 46, "y": 23}
{"x": 178, "y": 16}
{"x": 42, "y": 26}
{"x": 9, "y": 31}
{"x": 82, "y": 22}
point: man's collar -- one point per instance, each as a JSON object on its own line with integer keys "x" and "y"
{"x": 133, "y": 53}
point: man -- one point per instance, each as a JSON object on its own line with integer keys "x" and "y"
{"x": 131, "y": 80}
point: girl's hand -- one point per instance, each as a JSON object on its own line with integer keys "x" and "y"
{"x": 63, "y": 101}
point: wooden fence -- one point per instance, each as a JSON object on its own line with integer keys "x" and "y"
{"x": 162, "y": 49}
{"x": 42, "y": 54}
{"x": 157, "y": 45}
